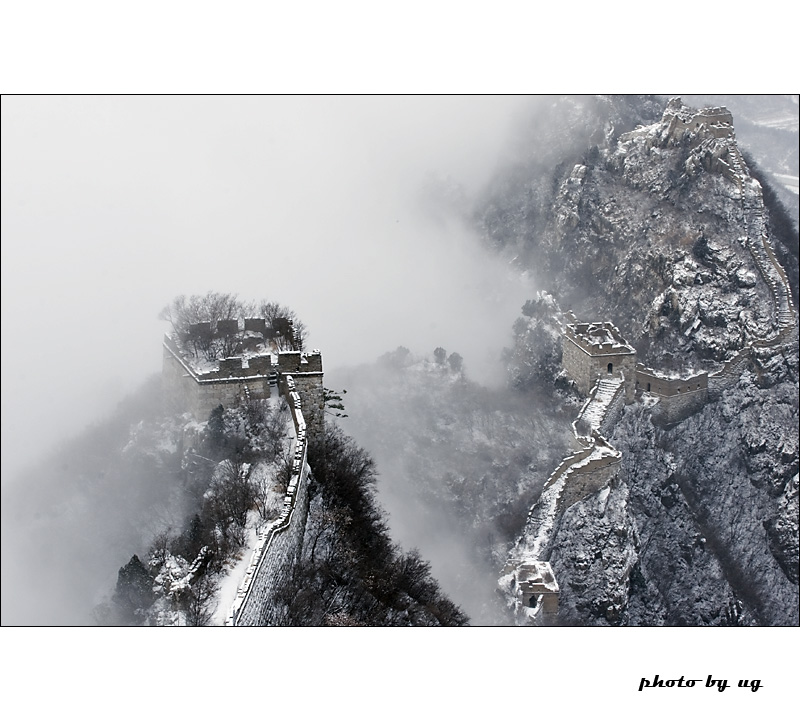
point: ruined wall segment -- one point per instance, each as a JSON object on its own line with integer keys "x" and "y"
{"x": 680, "y": 119}
{"x": 536, "y": 585}
{"x": 186, "y": 389}
{"x": 199, "y": 387}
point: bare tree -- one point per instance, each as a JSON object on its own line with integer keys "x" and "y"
{"x": 159, "y": 549}
{"x": 275, "y": 429}
{"x": 201, "y": 601}
{"x": 194, "y": 321}
{"x": 229, "y": 500}
{"x": 183, "y": 312}
{"x": 290, "y": 331}
{"x": 268, "y": 496}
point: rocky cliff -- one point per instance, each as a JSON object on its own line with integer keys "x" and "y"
{"x": 663, "y": 229}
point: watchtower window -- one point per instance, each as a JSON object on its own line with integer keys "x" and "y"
{"x": 611, "y": 368}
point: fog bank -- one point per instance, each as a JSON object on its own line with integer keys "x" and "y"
{"x": 114, "y": 205}
{"x": 345, "y": 209}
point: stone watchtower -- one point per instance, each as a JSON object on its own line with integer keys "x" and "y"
{"x": 592, "y": 351}
{"x": 536, "y": 588}
{"x": 198, "y": 386}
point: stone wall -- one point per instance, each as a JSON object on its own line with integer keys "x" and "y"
{"x": 593, "y": 466}
{"x": 602, "y": 409}
{"x": 672, "y": 409}
{"x": 585, "y": 369}
{"x": 300, "y": 379}
{"x": 199, "y": 394}
{"x": 235, "y": 378}
{"x": 650, "y": 381}
{"x": 279, "y": 546}
{"x": 681, "y": 119}
{"x": 227, "y": 327}
{"x": 536, "y": 586}
{"x": 613, "y": 412}
{"x": 678, "y": 398}
{"x": 294, "y": 362}
{"x": 177, "y": 384}
{"x": 590, "y": 474}
{"x": 586, "y": 356}
{"x": 595, "y": 461}
{"x": 582, "y": 453}
{"x": 305, "y": 371}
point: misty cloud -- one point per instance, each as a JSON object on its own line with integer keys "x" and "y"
{"x": 114, "y": 205}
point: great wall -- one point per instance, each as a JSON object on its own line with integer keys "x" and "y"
{"x": 282, "y": 540}
{"x": 199, "y": 390}
{"x": 603, "y": 367}
{"x": 596, "y": 357}
{"x": 256, "y": 372}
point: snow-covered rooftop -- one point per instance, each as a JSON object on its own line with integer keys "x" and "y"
{"x": 599, "y": 337}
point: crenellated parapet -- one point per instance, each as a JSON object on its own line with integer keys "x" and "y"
{"x": 297, "y": 362}
{"x": 200, "y": 386}
{"x": 591, "y": 351}
{"x": 677, "y": 396}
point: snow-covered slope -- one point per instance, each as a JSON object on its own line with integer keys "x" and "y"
{"x": 665, "y": 231}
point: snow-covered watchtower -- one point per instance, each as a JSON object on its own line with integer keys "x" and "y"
{"x": 591, "y": 351}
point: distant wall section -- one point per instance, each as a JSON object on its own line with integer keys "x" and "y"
{"x": 678, "y": 398}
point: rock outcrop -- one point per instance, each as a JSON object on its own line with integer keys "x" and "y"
{"x": 664, "y": 229}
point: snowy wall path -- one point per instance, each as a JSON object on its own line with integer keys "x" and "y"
{"x": 601, "y": 410}
{"x": 584, "y": 472}
{"x": 760, "y": 247}
{"x": 590, "y": 468}
{"x": 281, "y": 542}
{"x": 596, "y": 462}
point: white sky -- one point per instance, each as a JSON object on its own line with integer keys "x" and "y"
{"x": 114, "y": 205}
